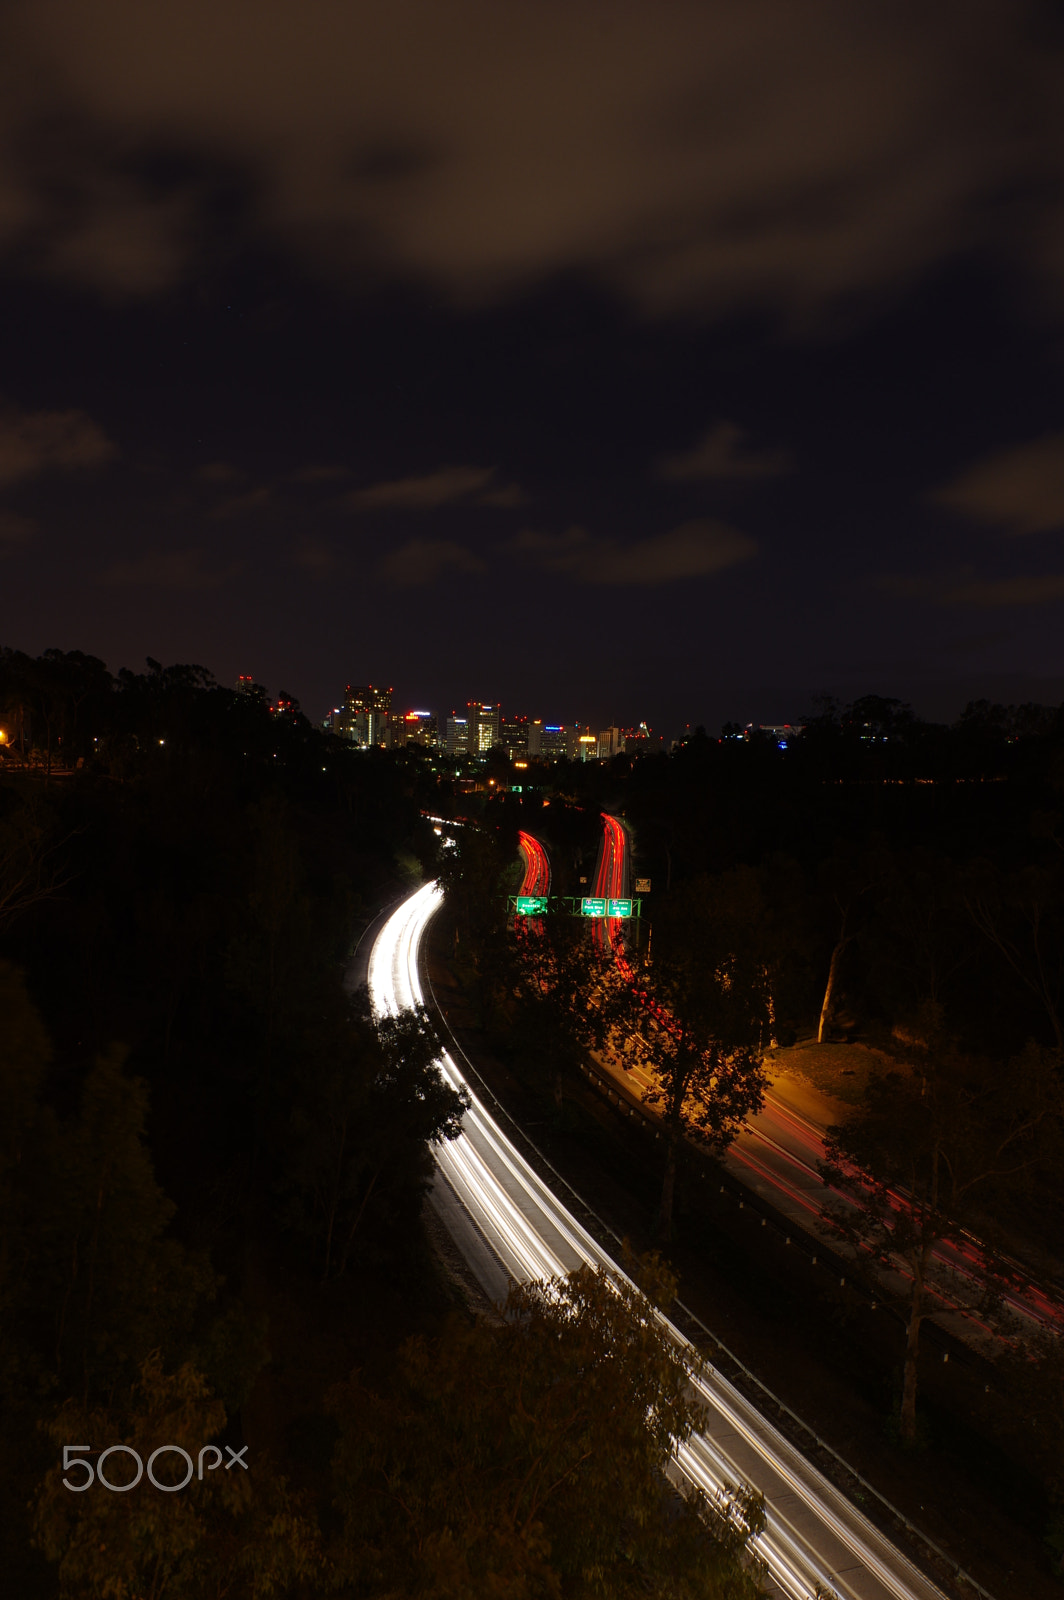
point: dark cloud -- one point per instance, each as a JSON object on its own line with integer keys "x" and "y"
{"x": 507, "y": 496}
{"x": 1020, "y": 489}
{"x": 239, "y": 505}
{"x": 322, "y": 474}
{"x": 722, "y": 452}
{"x": 422, "y": 561}
{"x": 220, "y": 472}
{"x": 969, "y": 643}
{"x": 962, "y": 587}
{"x": 920, "y": 585}
{"x": 390, "y": 257}
{"x": 432, "y": 489}
{"x": 751, "y": 151}
{"x": 15, "y": 530}
{"x": 34, "y": 442}
{"x": 170, "y": 569}
{"x": 316, "y": 557}
{"x": 994, "y": 593}
{"x": 695, "y": 549}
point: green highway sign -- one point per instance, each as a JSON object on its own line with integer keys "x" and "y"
{"x": 592, "y": 908}
{"x": 618, "y": 908}
{"x": 531, "y": 905}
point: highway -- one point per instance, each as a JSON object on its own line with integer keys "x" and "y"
{"x": 509, "y": 1224}
{"x": 537, "y": 865}
{"x": 611, "y": 881}
{"x": 778, "y": 1151}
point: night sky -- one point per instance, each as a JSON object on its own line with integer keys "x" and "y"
{"x": 614, "y": 361}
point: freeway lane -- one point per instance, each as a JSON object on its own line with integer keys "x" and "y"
{"x": 778, "y": 1150}
{"x": 611, "y": 881}
{"x": 507, "y": 1221}
{"x": 537, "y": 866}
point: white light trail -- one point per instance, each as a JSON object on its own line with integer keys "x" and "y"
{"x": 813, "y": 1534}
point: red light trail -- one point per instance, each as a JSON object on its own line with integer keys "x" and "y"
{"x": 537, "y": 867}
{"x": 536, "y": 880}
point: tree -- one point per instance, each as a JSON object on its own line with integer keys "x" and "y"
{"x": 1021, "y": 914}
{"x": 93, "y": 1279}
{"x": 697, "y": 1016}
{"x": 528, "y": 1457}
{"x": 940, "y": 1132}
{"x": 235, "y": 1532}
{"x": 32, "y": 869}
{"x": 1034, "y": 1416}
{"x": 919, "y": 938}
{"x": 91, "y": 1282}
{"x": 556, "y": 979}
{"x": 25, "y": 1051}
{"x": 845, "y": 879}
{"x": 361, "y": 1133}
{"x": 471, "y": 877}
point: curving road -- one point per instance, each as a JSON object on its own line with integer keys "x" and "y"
{"x": 537, "y": 865}
{"x": 611, "y": 880}
{"x": 509, "y": 1224}
{"x": 778, "y": 1151}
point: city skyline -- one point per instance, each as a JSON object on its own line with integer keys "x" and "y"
{"x": 367, "y": 718}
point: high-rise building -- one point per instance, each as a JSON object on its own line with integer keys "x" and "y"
{"x": 610, "y": 743}
{"x": 412, "y": 727}
{"x": 458, "y": 739}
{"x": 548, "y": 740}
{"x": 484, "y": 721}
{"x": 637, "y": 741}
{"x": 246, "y": 686}
{"x": 513, "y": 736}
{"x": 364, "y": 718}
{"x": 553, "y": 741}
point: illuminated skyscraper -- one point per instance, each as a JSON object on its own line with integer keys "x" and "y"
{"x": 484, "y": 721}
{"x": 364, "y": 717}
{"x": 513, "y": 736}
{"x": 412, "y": 727}
{"x": 458, "y": 739}
{"x": 553, "y": 741}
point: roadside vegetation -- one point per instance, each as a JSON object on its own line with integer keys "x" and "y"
{"x": 213, "y": 1168}
{"x": 878, "y": 908}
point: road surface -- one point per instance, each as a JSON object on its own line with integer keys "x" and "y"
{"x": 778, "y": 1151}
{"x": 509, "y": 1224}
{"x": 536, "y": 880}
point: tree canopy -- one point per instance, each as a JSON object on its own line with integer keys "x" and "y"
{"x": 528, "y": 1458}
